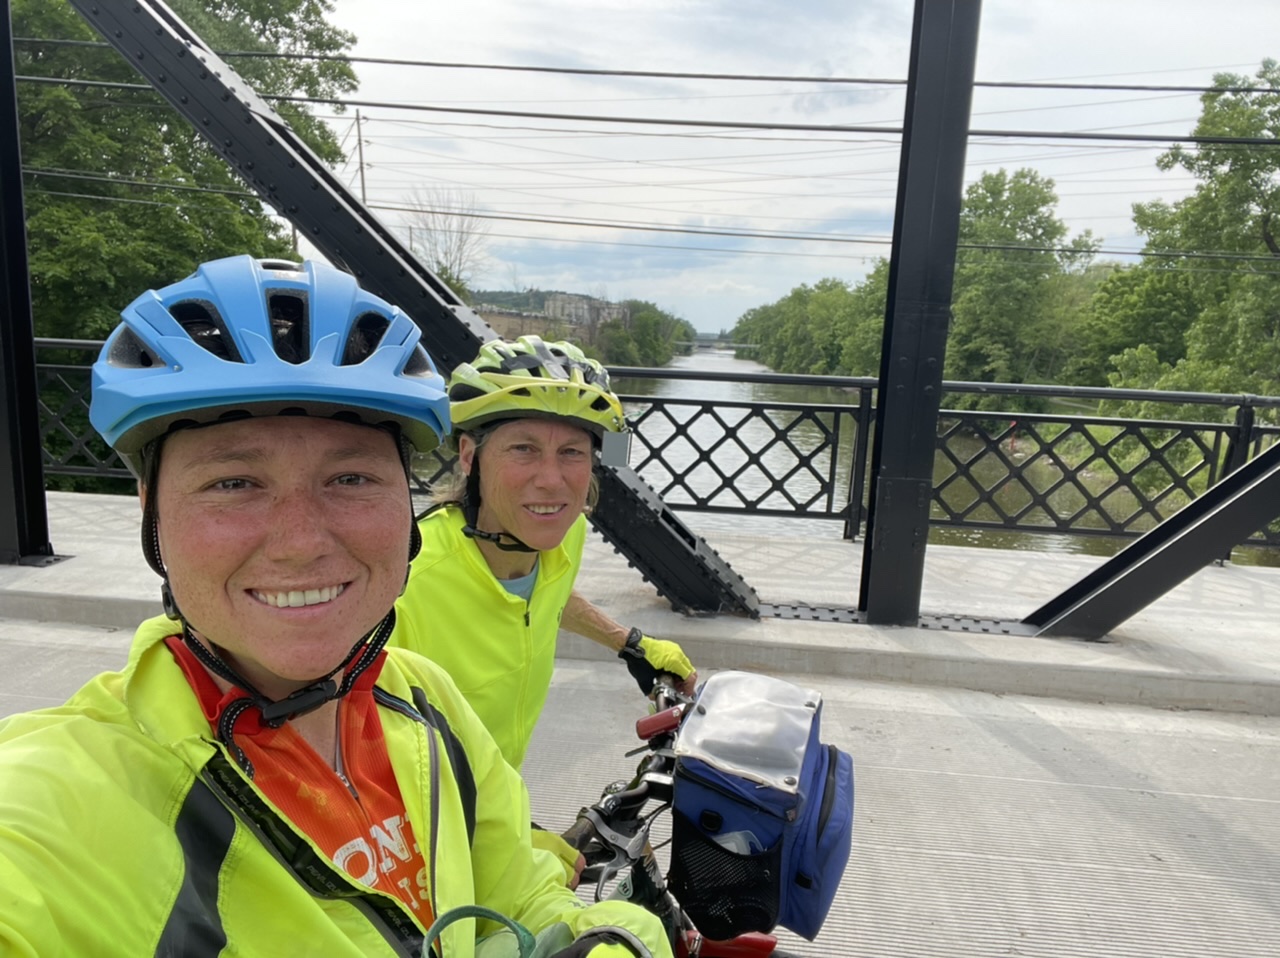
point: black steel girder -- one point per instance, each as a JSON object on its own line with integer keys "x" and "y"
{"x": 24, "y": 519}
{"x": 944, "y": 46}
{"x": 284, "y": 171}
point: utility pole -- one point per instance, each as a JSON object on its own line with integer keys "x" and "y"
{"x": 360, "y": 156}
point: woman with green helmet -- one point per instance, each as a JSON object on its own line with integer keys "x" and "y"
{"x": 503, "y": 542}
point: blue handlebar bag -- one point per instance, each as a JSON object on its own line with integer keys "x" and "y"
{"x": 762, "y": 819}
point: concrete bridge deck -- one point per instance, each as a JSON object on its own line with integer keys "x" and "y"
{"x": 1016, "y": 796}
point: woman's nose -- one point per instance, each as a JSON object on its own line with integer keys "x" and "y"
{"x": 298, "y": 527}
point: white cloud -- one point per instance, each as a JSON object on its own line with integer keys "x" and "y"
{"x": 661, "y": 176}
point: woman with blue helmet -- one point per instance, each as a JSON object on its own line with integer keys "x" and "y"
{"x": 264, "y": 777}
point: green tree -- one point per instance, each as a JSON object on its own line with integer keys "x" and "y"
{"x": 96, "y": 239}
{"x": 1146, "y": 305}
{"x": 1230, "y": 307}
{"x": 1020, "y": 289}
{"x": 647, "y": 337}
{"x": 1008, "y": 276}
{"x": 864, "y": 324}
{"x": 803, "y": 332}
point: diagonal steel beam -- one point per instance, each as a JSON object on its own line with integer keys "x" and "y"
{"x": 1207, "y": 527}
{"x": 284, "y": 171}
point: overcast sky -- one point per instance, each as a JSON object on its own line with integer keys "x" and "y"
{"x": 680, "y": 177}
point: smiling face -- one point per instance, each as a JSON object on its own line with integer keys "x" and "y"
{"x": 286, "y": 539}
{"x": 534, "y": 477}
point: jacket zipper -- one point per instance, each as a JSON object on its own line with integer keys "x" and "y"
{"x": 338, "y": 765}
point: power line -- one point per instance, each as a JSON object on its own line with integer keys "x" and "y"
{"x": 151, "y": 184}
{"x": 792, "y": 127}
{"x": 713, "y": 124}
{"x": 681, "y": 249}
{"x": 125, "y": 199}
{"x": 786, "y": 235}
{"x": 672, "y": 75}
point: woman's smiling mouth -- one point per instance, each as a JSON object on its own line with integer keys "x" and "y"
{"x": 296, "y": 598}
{"x": 546, "y": 510}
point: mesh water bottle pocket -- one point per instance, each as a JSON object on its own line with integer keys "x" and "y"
{"x": 726, "y": 894}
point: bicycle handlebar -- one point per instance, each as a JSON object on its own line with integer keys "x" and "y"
{"x": 666, "y": 691}
{"x": 580, "y": 833}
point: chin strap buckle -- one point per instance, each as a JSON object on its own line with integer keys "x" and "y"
{"x": 298, "y": 703}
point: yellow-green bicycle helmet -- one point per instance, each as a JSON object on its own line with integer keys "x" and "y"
{"x": 530, "y": 378}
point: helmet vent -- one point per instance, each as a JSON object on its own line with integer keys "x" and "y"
{"x": 203, "y": 324}
{"x": 419, "y": 363}
{"x": 366, "y": 334}
{"x": 128, "y": 352}
{"x": 290, "y": 330}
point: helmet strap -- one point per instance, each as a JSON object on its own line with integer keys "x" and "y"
{"x": 471, "y": 513}
{"x": 275, "y": 712}
{"x": 497, "y": 538}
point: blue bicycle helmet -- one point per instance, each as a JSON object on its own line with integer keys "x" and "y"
{"x": 245, "y": 337}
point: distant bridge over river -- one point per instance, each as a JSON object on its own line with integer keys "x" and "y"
{"x": 712, "y": 342}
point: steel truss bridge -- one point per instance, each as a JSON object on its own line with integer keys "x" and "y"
{"x": 901, "y": 427}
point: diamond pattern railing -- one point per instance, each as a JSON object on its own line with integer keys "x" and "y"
{"x": 71, "y": 447}
{"x": 1071, "y": 473}
{"x": 1025, "y": 472}
{"x": 785, "y": 459}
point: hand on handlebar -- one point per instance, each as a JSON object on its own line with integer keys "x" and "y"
{"x": 646, "y": 657}
{"x": 565, "y": 850}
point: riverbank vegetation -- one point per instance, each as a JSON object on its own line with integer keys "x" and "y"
{"x": 1199, "y": 312}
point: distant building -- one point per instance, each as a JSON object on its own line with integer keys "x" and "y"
{"x": 513, "y": 323}
{"x": 564, "y": 316}
{"x": 584, "y": 311}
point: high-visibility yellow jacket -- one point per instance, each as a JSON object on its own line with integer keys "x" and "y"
{"x": 498, "y": 648}
{"x": 127, "y": 830}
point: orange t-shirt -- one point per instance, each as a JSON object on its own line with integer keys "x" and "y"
{"x": 359, "y": 823}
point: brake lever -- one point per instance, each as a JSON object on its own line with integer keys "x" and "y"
{"x": 627, "y": 849}
{"x": 608, "y": 872}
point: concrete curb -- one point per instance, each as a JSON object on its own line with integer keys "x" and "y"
{"x": 854, "y": 656}
{"x": 92, "y": 610}
{"x": 998, "y": 676}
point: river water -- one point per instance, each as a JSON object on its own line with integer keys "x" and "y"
{"x": 718, "y": 361}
